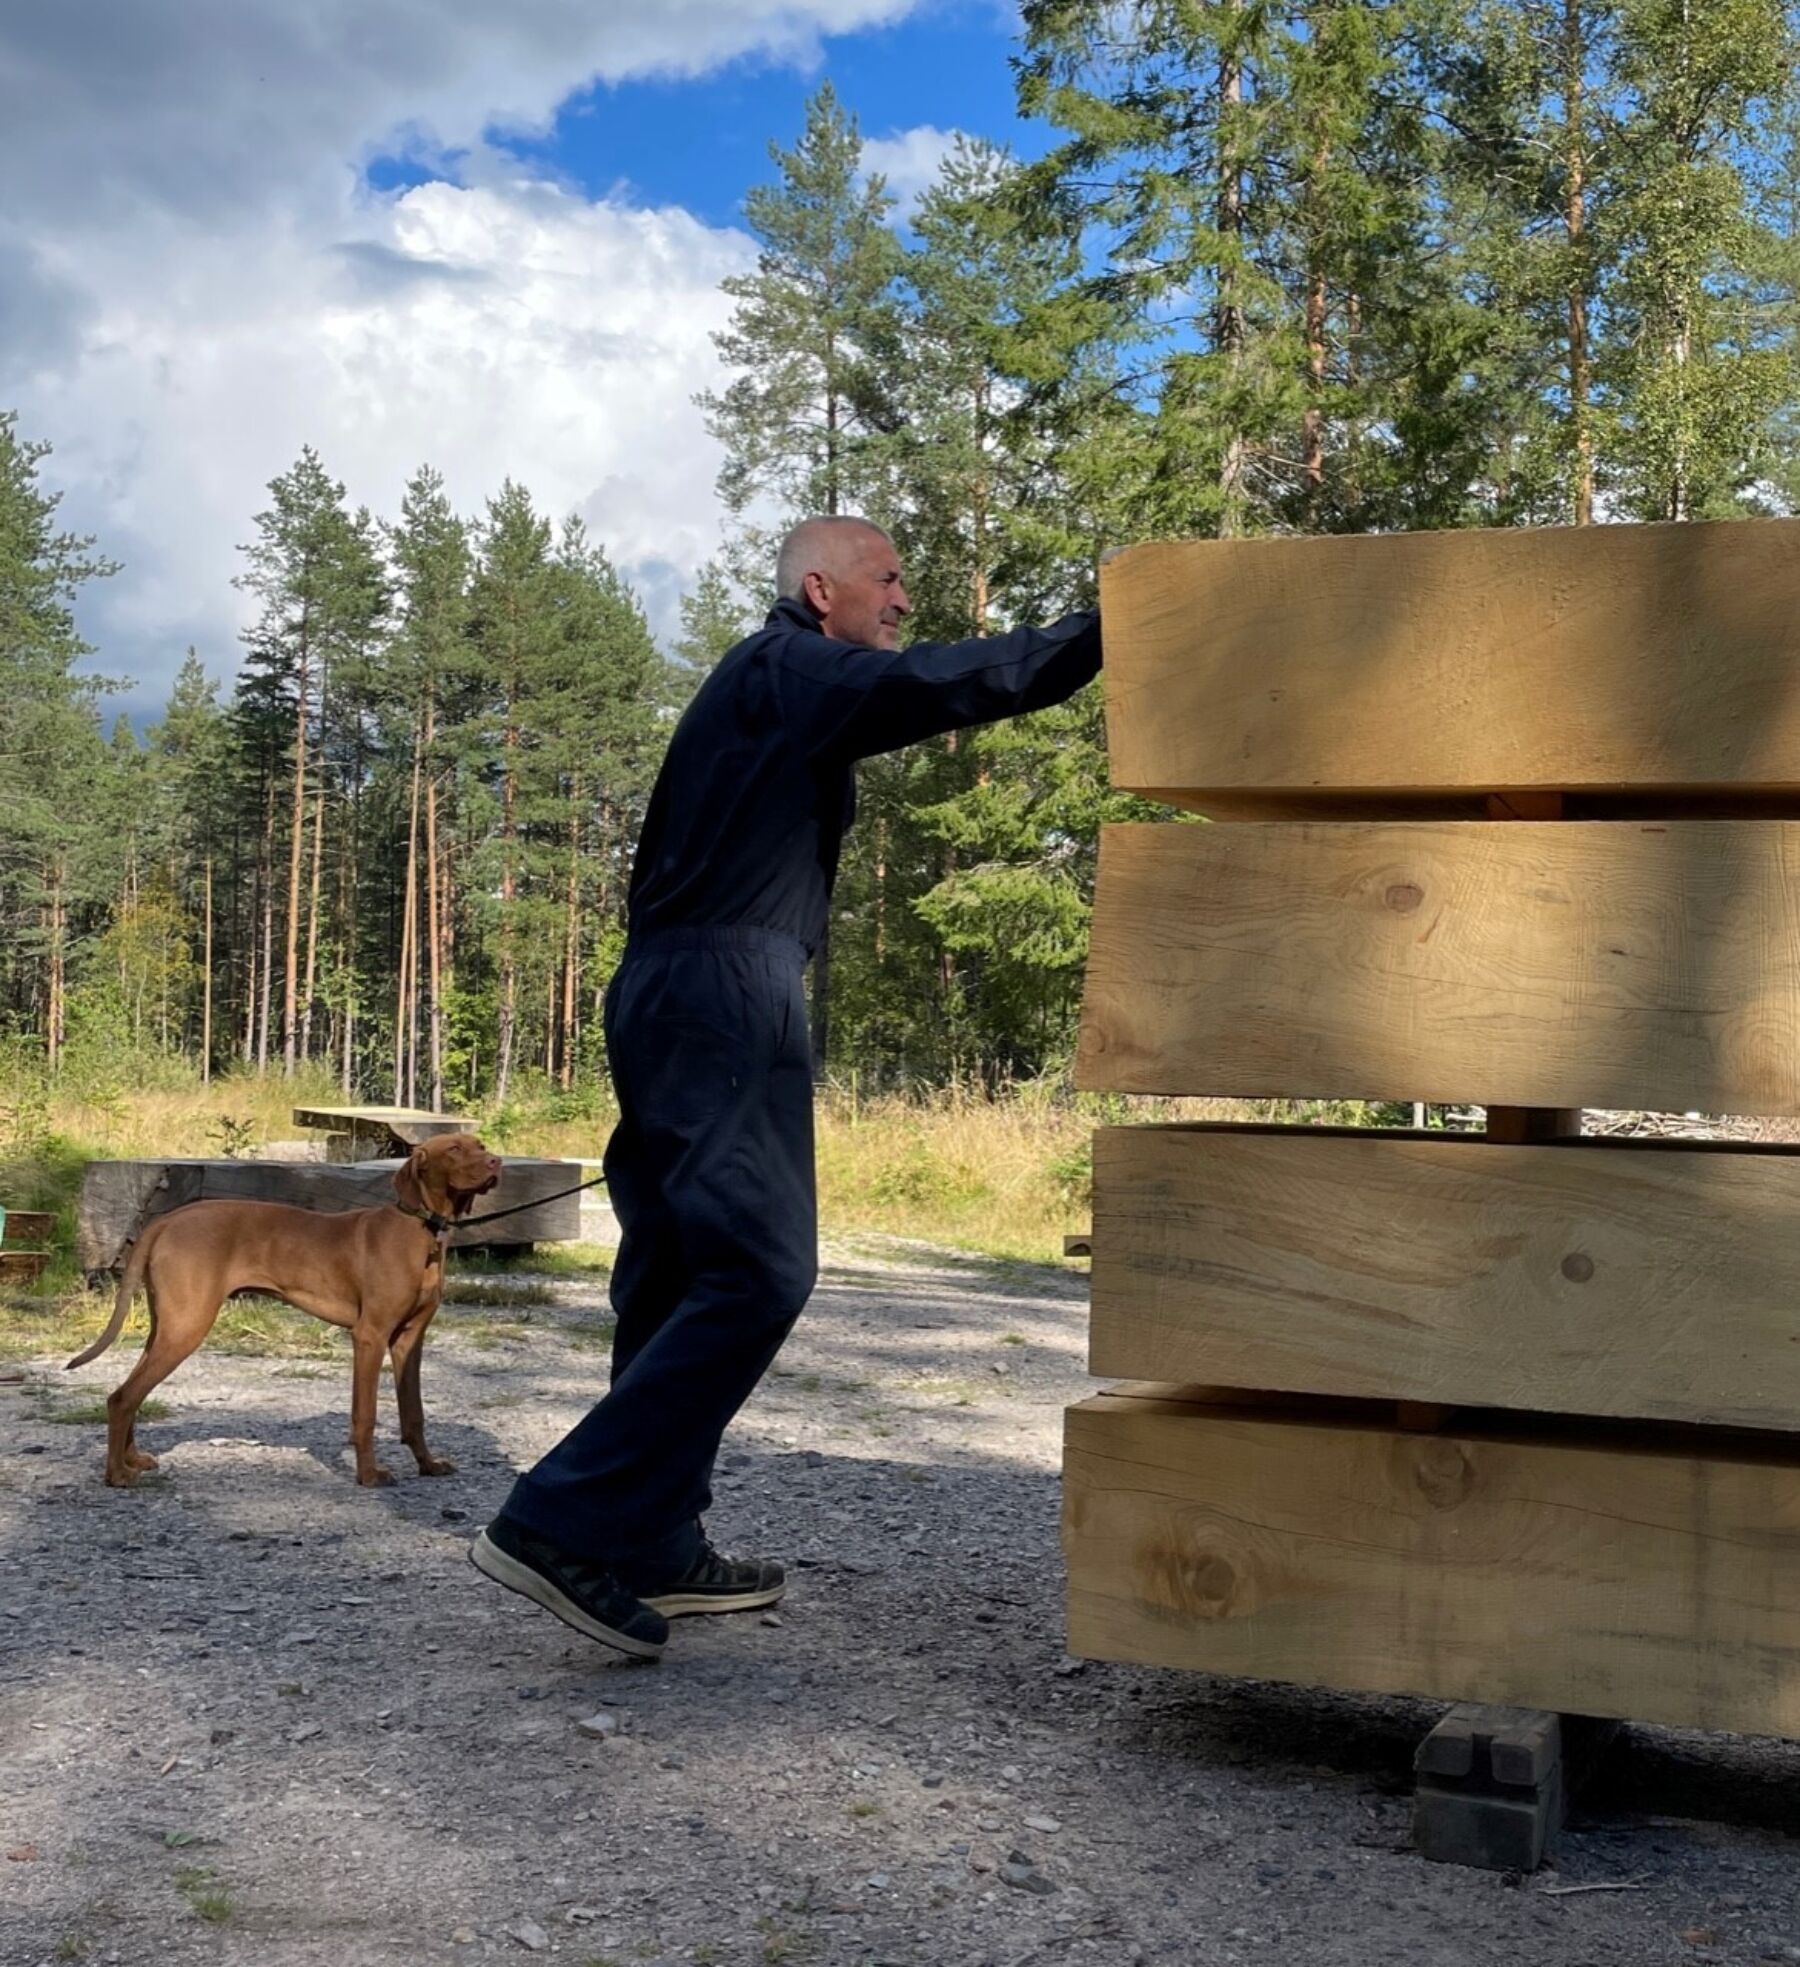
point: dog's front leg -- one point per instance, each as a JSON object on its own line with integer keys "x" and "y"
{"x": 365, "y": 1380}
{"x": 407, "y": 1350}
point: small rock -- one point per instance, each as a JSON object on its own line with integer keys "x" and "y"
{"x": 771, "y": 1618}
{"x": 454, "y": 1515}
{"x": 1048, "y": 1825}
{"x": 530, "y": 1935}
{"x": 673, "y": 1762}
{"x": 989, "y": 1823}
{"x": 1025, "y": 1877}
{"x": 583, "y": 1915}
{"x": 464, "y": 1936}
{"x": 306, "y": 1636}
{"x": 600, "y": 1726}
{"x": 878, "y": 1881}
{"x": 306, "y": 1732}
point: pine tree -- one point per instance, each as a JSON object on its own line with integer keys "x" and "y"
{"x": 811, "y": 338}
{"x": 315, "y": 569}
{"x": 49, "y": 741}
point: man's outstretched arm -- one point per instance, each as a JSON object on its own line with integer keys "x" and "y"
{"x": 855, "y": 701}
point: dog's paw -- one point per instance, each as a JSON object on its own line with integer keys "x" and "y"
{"x": 435, "y": 1465}
{"x": 121, "y": 1478}
{"x": 375, "y": 1477}
{"x": 135, "y": 1458}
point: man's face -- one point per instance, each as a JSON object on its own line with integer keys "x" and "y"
{"x": 861, "y": 597}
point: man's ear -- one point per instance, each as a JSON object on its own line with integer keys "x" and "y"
{"x": 406, "y": 1183}
{"x": 816, "y": 587}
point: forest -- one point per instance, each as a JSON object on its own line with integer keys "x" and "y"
{"x": 1314, "y": 267}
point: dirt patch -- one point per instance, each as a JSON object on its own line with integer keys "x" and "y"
{"x": 252, "y": 1715}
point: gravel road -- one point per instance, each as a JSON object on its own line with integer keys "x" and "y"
{"x": 253, "y": 1716}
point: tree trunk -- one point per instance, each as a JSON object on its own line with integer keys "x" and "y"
{"x": 408, "y": 915}
{"x": 206, "y": 987}
{"x": 290, "y": 1026}
{"x": 1575, "y": 223}
{"x": 434, "y": 964}
{"x": 55, "y": 987}
{"x": 509, "y": 976}
{"x": 1229, "y": 326}
{"x": 268, "y": 929}
{"x": 312, "y": 925}
{"x": 572, "y": 940}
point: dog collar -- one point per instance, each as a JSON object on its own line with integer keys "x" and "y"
{"x": 438, "y": 1225}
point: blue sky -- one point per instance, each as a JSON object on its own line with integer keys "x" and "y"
{"x": 218, "y": 246}
{"x": 701, "y": 142}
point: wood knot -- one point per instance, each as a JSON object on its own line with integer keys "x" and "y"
{"x": 1210, "y": 1587}
{"x": 1199, "y": 1584}
{"x": 1578, "y": 1266}
{"x": 1443, "y": 1473}
{"x": 1404, "y": 897}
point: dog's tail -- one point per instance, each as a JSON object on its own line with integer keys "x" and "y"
{"x": 130, "y": 1279}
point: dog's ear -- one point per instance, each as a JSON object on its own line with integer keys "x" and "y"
{"x": 407, "y": 1184}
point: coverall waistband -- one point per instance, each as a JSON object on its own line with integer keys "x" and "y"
{"x": 773, "y": 942}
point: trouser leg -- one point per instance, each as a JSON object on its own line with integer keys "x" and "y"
{"x": 715, "y": 1149}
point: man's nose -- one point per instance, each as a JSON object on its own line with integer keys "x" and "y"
{"x": 901, "y": 605}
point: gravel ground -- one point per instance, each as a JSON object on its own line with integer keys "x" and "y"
{"x": 253, "y": 1714}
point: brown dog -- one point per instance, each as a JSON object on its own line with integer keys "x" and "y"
{"x": 379, "y": 1272}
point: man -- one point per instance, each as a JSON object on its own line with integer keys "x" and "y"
{"x": 711, "y": 1167}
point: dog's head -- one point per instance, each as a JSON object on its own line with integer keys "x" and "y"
{"x": 443, "y": 1176}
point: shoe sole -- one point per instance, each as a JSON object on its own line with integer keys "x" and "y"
{"x": 684, "y": 1604}
{"x": 492, "y": 1562}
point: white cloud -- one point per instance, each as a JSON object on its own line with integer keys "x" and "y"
{"x": 909, "y": 161}
{"x": 195, "y": 281}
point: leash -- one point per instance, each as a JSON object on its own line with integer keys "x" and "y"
{"x": 443, "y": 1225}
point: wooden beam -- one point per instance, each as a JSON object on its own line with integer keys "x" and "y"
{"x": 1591, "y": 1279}
{"x": 1560, "y": 964}
{"x": 1312, "y": 675}
{"x": 1582, "y": 1573}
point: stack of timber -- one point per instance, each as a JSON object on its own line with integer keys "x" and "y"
{"x": 1510, "y": 1418}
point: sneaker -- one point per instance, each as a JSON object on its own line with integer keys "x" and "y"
{"x": 718, "y": 1584}
{"x": 581, "y": 1594}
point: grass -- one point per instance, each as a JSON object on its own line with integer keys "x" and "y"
{"x": 207, "y": 1898}
{"x": 496, "y": 1291}
{"x": 93, "y": 1414}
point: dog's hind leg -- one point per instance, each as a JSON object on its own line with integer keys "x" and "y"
{"x": 176, "y": 1329}
{"x": 406, "y": 1349}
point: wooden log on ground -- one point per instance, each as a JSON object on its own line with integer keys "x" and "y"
{"x": 1311, "y": 676}
{"x": 1632, "y": 1280}
{"x": 118, "y": 1197}
{"x": 1651, "y": 1574}
{"x": 1561, "y": 964}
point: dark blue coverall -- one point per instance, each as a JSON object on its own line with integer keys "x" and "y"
{"x": 710, "y": 1170}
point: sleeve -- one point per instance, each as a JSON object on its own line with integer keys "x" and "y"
{"x": 848, "y": 702}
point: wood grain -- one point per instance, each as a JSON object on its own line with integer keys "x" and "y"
{"x": 1590, "y": 1576}
{"x": 1308, "y": 675}
{"x": 1589, "y": 1280}
{"x": 1560, "y": 964}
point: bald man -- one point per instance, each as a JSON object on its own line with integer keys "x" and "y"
{"x": 711, "y": 1167}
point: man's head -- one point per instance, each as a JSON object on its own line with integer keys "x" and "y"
{"x": 849, "y": 574}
